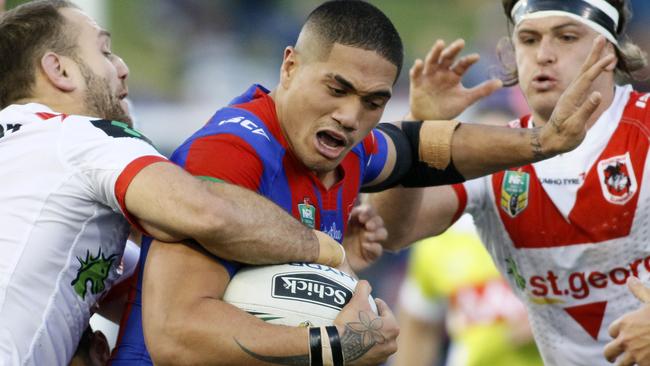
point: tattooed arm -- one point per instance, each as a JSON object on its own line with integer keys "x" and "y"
{"x": 185, "y": 321}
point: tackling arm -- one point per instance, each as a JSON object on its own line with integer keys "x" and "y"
{"x": 229, "y": 221}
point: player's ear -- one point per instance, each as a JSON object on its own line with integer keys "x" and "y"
{"x": 56, "y": 70}
{"x": 289, "y": 66}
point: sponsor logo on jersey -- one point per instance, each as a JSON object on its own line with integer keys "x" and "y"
{"x": 312, "y": 288}
{"x": 307, "y": 213}
{"x": 514, "y": 192}
{"x": 247, "y": 124}
{"x": 333, "y": 232}
{"x": 617, "y": 179}
{"x": 551, "y": 288}
{"x": 92, "y": 271}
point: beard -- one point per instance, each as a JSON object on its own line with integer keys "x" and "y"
{"x": 98, "y": 99}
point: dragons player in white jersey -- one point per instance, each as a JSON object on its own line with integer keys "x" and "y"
{"x": 69, "y": 181}
{"x": 570, "y": 231}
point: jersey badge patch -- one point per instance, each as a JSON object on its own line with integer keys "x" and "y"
{"x": 307, "y": 213}
{"x": 617, "y": 179}
{"x": 119, "y": 129}
{"x": 514, "y": 192}
{"x": 93, "y": 270}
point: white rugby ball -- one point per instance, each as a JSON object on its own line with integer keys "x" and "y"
{"x": 295, "y": 294}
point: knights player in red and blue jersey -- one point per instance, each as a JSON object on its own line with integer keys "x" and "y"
{"x": 311, "y": 146}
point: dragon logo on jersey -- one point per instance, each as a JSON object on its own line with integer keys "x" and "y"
{"x": 93, "y": 270}
{"x": 617, "y": 179}
{"x": 514, "y": 192}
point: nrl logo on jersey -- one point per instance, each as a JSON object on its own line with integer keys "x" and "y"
{"x": 307, "y": 213}
{"x": 514, "y": 192}
{"x": 617, "y": 179}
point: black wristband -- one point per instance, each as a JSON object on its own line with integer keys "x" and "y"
{"x": 335, "y": 343}
{"x": 315, "y": 350}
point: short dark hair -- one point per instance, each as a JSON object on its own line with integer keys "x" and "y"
{"x": 26, "y": 33}
{"x": 358, "y": 24}
{"x": 631, "y": 59}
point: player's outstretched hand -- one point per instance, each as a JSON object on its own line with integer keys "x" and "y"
{"x": 567, "y": 126}
{"x": 631, "y": 332}
{"x": 363, "y": 237}
{"x": 436, "y": 91}
{"x": 366, "y": 338}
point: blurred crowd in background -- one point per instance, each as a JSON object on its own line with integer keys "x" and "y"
{"x": 188, "y": 57}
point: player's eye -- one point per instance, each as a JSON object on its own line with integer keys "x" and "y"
{"x": 336, "y": 91}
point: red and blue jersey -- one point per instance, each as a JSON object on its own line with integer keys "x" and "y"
{"x": 243, "y": 144}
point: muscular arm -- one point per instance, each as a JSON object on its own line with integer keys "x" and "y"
{"x": 477, "y": 150}
{"x": 411, "y": 214}
{"x": 229, "y": 221}
{"x": 185, "y": 321}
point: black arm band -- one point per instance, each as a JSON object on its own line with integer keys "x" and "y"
{"x": 409, "y": 171}
{"x": 335, "y": 343}
{"x": 421, "y": 174}
{"x": 315, "y": 350}
{"x": 403, "y": 157}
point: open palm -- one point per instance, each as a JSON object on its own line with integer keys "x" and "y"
{"x": 436, "y": 91}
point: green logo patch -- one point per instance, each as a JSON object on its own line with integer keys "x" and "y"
{"x": 514, "y": 192}
{"x": 119, "y": 129}
{"x": 307, "y": 214}
{"x": 93, "y": 270}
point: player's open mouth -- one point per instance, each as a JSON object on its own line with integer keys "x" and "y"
{"x": 330, "y": 144}
{"x": 544, "y": 82}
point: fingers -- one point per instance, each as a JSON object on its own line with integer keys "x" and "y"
{"x": 593, "y": 67}
{"x": 360, "y": 297}
{"x": 382, "y": 308}
{"x": 416, "y": 70}
{"x": 441, "y": 57}
{"x": 588, "y": 108}
{"x": 638, "y": 290}
{"x": 450, "y": 53}
{"x": 595, "y": 53}
{"x": 431, "y": 61}
{"x": 625, "y": 359}
{"x": 372, "y": 251}
{"x": 461, "y": 66}
{"x": 612, "y": 350}
{"x": 615, "y": 328}
{"x": 484, "y": 89}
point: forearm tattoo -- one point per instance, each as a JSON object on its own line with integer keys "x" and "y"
{"x": 297, "y": 360}
{"x": 359, "y": 337}
{"x": 536, "y": 145}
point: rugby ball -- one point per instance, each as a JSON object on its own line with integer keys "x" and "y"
{"x": 294, "y": 294}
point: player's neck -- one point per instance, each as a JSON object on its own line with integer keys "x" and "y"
{"x": 57, "y": 104}
{"x": 328, "y": 179}
{"x": 540, "y": 118}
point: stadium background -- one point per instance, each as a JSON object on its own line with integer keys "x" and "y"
{"x": 189, "y": 57}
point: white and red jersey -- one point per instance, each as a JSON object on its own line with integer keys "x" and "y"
{"x": 62, "y": 225}
{"x": 569, "y": 231}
